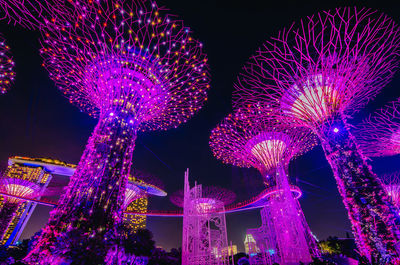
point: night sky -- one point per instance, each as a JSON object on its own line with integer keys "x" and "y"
{"x": 37, "y": 121}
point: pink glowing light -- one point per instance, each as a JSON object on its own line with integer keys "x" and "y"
{"x": 210, "y": 195}
{"x": 19, "y": 188}
{"x": 391, "y": 183}
{"x": 255, "y": 137}
{"x": 134, "y": 67}
{"x": 312, "y": 77}
{"x": 379, "y": 134}
{"x": 317, "y": 73}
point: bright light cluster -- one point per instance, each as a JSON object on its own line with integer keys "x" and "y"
{"x": 19, "y": 188}
{"x": 379, "y": 134}
{"x": 329, "y": 63}
{"x": 210, "y": 195}
{"x": 7, "y": 73}
{"x": 129, "y": 58}
{"x": 256, "y": 137}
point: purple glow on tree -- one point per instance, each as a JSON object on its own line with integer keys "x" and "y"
{"x": 256, "y": 137}
{"x": 379, "y": 134}
{"x": 7, "y": 73}
{"x": 15, "y": 187}
{"x": 210, "y": 194}
{"x": 316, "y": 74}
{"x": 136, "y": 69}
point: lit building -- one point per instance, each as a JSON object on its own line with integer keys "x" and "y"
{"x": 135, "y": 221}
{"x": 41, "y": 171}
{"x": 229, "y": 251}
{"x": 250, "y": 244}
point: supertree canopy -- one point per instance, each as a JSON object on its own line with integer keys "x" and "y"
{"x": 18, "y": 189}
{"x": 209, "y": 196}
{"x": 379, "y": 134}
{"x": 391, "y": 183}
{"x": 316, "y": 74}
{"x": 256, "y": 137}
{"x": 7, "y": 73}
{"x": 136, "y": 68}
{"x": 34, "y": 14}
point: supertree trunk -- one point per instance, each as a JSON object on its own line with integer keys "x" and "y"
{"x": 6, "y": 215}
{"x": 83, "y": 227}
{"x": 372, "y": 215}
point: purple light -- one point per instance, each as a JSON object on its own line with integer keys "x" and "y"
{"x": 315, "y": 74}
{"x": 157, "y": 84}
{"x": 256, "y": 137}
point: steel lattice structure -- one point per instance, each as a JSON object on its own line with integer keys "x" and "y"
{"x": 204, "y": 234}
{"x": 318, "y": 72}
{"x": 18, "y": 187}
{"x": 379, "y": 134}
{"x": 136, "y": 68}
{"x": 256, "y": 137}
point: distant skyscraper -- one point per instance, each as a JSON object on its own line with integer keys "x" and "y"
{"x": 250, "y": 244}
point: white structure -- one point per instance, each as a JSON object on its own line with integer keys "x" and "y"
{"x": 204, "y": 228}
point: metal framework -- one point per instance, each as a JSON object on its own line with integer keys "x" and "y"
{"x": 204, "y": 236}
{"x": 318, "y": 72}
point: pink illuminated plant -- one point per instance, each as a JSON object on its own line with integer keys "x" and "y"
{"x": 379, "y": 134}
{"x": 256, "y": 137}
{"x": 135, "y": 68}
{"x": 318, "y": 72}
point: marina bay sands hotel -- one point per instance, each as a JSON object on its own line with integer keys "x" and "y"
{"x": 42, "y": 171}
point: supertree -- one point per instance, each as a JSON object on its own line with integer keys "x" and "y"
{"x": 256, "y": 137}
{"x": 391, "y": 182}
{"x": 210, "y": 194}
{"x": 7, "y": 73}
{"x": 18, "y": 189}
{"x": 379, "y": 134}
{"x": 136, "y": 68}
{"x": 316, "y": 74}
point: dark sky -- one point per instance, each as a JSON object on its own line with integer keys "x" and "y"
{"x": 37, "y": 121}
